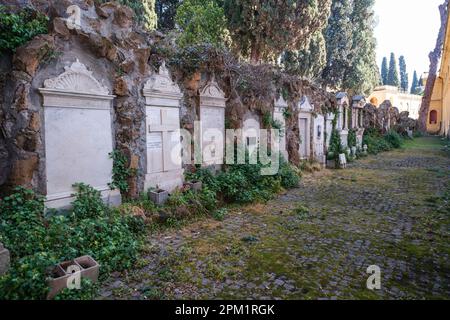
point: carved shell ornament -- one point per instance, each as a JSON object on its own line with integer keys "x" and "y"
{"x": 212, "y": 90}
{"x": 162, "y": 82}
{"x": 77, "y": 78}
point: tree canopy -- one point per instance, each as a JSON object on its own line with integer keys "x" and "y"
{"x": 263, "y": 29}
{"x": 415, "y": 84}
{"x": 363, "y": 74}
{"x": 384, "y": 71}
{"x": 404, "y": 77}
{"x": 201, "y": 21}
{"x": 393, "y": 72}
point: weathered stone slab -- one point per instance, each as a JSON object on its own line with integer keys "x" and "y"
{"x": 78, "y": 136}
{"x": 304, "y": 123}
{"x": 163, "y": 138}
{"x": 278, "y": 115}
{"x": 212, "y": 117}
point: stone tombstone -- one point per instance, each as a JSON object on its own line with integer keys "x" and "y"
{"x": 251, "y": 132}
{"x": 5, "y": 260}
{"x": 278, "y": 115}
{"x": 319, "y": 139}
{"x": 343, "y": 115}
{"x": 212, "y": 117}
{"x": 163, "y": 137}
{"x": 358, "y": 119}
{"x": 78, "y": 136}
{"x": 304, "y": 124}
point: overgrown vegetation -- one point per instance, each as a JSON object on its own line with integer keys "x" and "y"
{"x": 37, "y": 241}
{"x": 18, "y": 28}
{"x": 243, "y": 183}
{"x": 201, "y": 21}
{"x": 121, "y": 172}
{"x": 377, "y": 142}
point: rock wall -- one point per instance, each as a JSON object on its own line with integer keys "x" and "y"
{"x": 387, "y": 117}
{"x": 123, "y": 57}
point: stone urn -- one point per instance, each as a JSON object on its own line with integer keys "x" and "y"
{"x": 62, "y": 273}
{"x": 159, "y": 196}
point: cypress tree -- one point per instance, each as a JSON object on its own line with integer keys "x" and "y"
{"x": 264, "y": 29}
{"x": 404, "y": 78}
{"x": 338, "y": 36}
{"x": 384, "y": 71}
{"x": 393, "y": 72}
{"x": 415, "y": 83}
{"x": 363, "y": 74}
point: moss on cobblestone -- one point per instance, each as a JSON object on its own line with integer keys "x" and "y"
{"x": 389, "y": 210}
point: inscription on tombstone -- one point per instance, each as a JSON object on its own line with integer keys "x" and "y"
{"x": 163, "y": 138}
{"x": 212, "y": 117}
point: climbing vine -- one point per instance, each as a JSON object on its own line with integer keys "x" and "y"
{"x": 121, "y": 172}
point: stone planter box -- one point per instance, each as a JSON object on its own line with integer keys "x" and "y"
{"x": 58, "y": 282}
{"x": 5, "y": 260}
{"x": 159, "y": 197}
{"x": 195, "y": 185}
{"x": 331, "y": 164}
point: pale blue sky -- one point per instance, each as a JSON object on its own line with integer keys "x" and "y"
{"x": 409, "y": 28}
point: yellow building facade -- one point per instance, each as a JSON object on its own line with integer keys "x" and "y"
{"x": 403, "y": 101}
{"x": 438, "y": 120}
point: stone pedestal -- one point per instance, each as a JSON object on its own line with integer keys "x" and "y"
{"x": 78, "y": 136}
{"x": 343, "y": 123}
{"x": 164, "y": 165}
{"x": 319, "y": 139}
{"x": 5, "y": 260}
{"x": 304, "y": 124}
{"x": 212, "y": 127}
{"x": 278, "y": 115}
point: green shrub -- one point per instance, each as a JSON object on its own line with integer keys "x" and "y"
{"x": 38, "y": 243}
{"x": 351, "y": 139}
{"x": 289, "y": 177}
{"x": 88, "y": 202}
{"x": 243, "y": 183}
{"x": 394, "y": 139}
{"x": 220, "y": 214}
{"x": 18, "y": 28}
{"x": 88, "y": 291}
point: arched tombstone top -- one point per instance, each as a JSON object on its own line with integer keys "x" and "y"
{"x": 76, "y": 87}
{"x": 305, "y": 104}
{"x": 76, "y": 79}
{"x": 160, "y": 90}
{"x": 211, "y": 95}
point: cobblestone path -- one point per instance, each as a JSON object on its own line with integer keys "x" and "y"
{"x": 315, "y": 242}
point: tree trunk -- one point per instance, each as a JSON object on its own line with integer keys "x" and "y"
{"x": 255, "y": 55}
{"x": 434, "y": 56}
